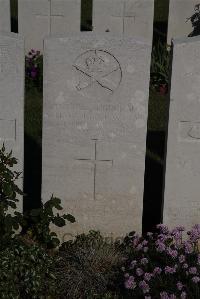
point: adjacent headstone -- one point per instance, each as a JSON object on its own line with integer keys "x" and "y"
{"x": 40, "y": 18}
{"x": 128, "y": 18}
{"x": 184, "y": 19}
{"x": 5, "y": 16}
{"x": 94, "y": 129}
{"x": 12, "y": 97}
{"x": 182, "y": 204}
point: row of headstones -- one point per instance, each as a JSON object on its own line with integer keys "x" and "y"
{"x": 94, "y": 126}
{"x": 40, "y": 18}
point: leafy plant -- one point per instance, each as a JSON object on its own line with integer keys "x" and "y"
{"x": 160, "y": 66}
{"x": 26, "y": 271}
{"x": 36, "y": 223}
{"x": 34, "y": 69}
{"x": 163, "y": 265}
{"x": 88, "y": 267}
{"x": 9, "y": 218}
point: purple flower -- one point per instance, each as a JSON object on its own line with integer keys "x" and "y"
{"x": 130, "y": 283}
{"x": 144, "y": 261}
{"x": 183, "y": 295}
{"x": 144, "y": 286}
{"x": 133, "y": 263}
{"x": 194, "y": 233}
{"x": 179, "y": 286}
{"x": 172, "y": 253}
{"x": 147, "y": 276}
{"x": 196, "y": 279}
{"x": 126, "y": 275}
{"x": 136, "y": 240}
{"x": 145, "y": 249}
{"x": 188, "y": 247}
{"x": 193, "y": 270}
{"x": 163, "y": 228}
{"x": 144, "y": 243}
{"x": 147, "y": 297}
{"x": 160, "y": 246}
{"x": 170, "y": 270}
{"x": 185, "y": 266}
{"x": 163, "y": 237}
{"x": 164, "y": 295}
{"x": 157, "y": 270}
{"x": 172, "y": 296}
{"x": 139, "y": 247}
{"x": 181, "y": 258}
{"x": 150, "y": 235}
{"x": 139, "y": 272}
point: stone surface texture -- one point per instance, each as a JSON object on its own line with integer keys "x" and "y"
{"x": 182, "y": 205}
{"x": 41, "y": 18}
{"x": 94, "y": 130}
{"x": 178, "y": 24}
{"x": 12, "y": 97}
{"x": 128, "y": 18}
{"x": 5, "y": 16}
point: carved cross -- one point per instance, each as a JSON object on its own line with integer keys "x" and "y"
{"x": 50, "y": 16}
{"x": 95, "y": 163}
{"x": 125, "y": 14}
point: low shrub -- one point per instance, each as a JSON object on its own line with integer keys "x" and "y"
{"x": 88, "y": 267}
{"x": 164, "y": 265}
{"x": 9, "y": 192}
{"x": 26, "y": 271}
{"x": 36, "y": 223}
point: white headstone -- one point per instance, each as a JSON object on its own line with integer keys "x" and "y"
{"x": 128, "y": 18}
{"x": 40, "y": 18}
{"x": 180, "y": 12}
{"x": 181, "y": 202}
{"x": 94, "y": 129}
{"x": 12, "y": 97}
{"x": 5, "y": 16}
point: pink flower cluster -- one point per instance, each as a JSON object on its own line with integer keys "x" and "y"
{"x": 164, "y": 265}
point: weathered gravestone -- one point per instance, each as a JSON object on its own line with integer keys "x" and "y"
{"x": 40, "y": 18}
{"x": 184, "y": 19}
{"x": 94, "y": 129}
{"x": 182, "y": 204}
{"x": 5, "y": 15}
{"x": 130, "y": 18}
{"x": 12, "y": 96}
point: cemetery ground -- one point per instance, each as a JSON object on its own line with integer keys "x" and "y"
{"x": 35, "y": 264}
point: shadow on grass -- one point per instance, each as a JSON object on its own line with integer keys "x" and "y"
{"x": 153, "y": 191}
{"x": 32, "y": 149}
{"x": 32, "y": 173}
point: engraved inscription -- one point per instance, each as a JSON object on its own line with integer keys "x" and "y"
{"x": 7, "y": 129}
{"x": 95, "y": 162}
{"x": 189, "y": 131}
{"x": 100, "y": 121}
{"x": 6, "y": 64}
{"x": 97, "y": 71}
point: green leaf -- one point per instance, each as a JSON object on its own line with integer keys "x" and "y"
{"x": 58, "y": 221}
{"x": 69, "y": 218}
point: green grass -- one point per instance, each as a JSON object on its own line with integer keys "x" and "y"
{"x": 33, "y": 115}
{"x": 161, "y": 10}
{"x": 158, "y": 115}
